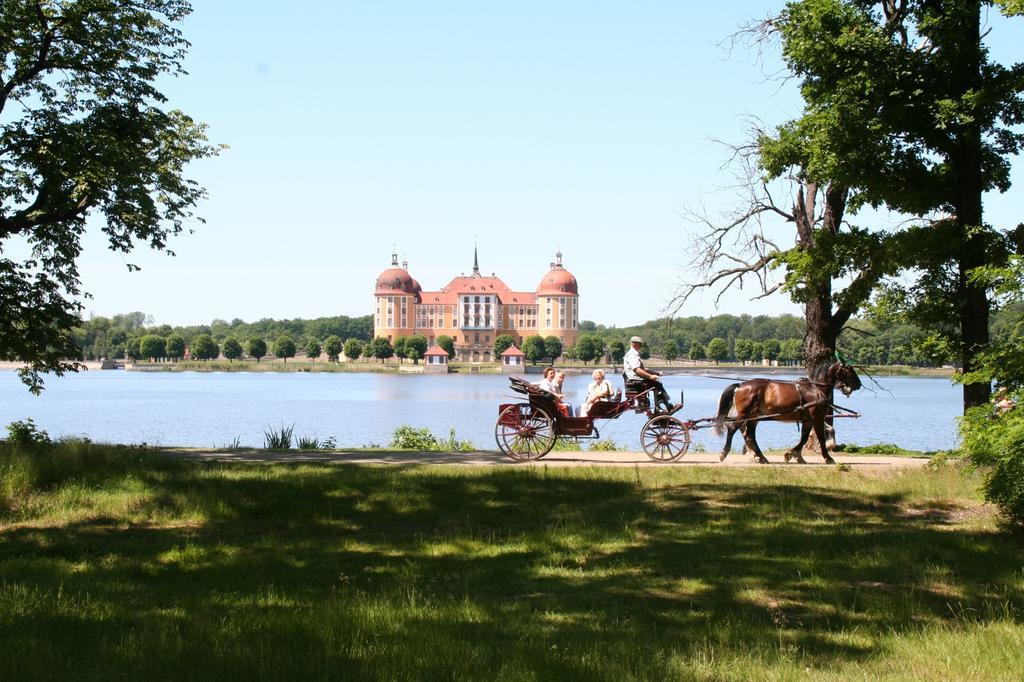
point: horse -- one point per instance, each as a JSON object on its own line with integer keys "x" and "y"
{"x": 805, "y": 401}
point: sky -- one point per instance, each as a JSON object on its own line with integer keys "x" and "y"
{"x": 356, "y": 128}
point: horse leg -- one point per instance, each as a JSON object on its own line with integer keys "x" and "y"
{"x": 819, "y": 431}
{"x": 729, "y": 433}
{"x": 805, "y": 433}
{"x": 748, "y": 431}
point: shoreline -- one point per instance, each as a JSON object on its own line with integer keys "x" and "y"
{"x": 300, "y": 366}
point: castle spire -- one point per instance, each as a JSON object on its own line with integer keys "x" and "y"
{"x": 476, "y": 263}
{"x": 394, "y": 256}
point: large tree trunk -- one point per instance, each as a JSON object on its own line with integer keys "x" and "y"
{"x": 823, "y": 324}
{"x": 972, "y": 251}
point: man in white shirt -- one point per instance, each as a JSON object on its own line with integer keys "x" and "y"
{"x": 639, "y": 378}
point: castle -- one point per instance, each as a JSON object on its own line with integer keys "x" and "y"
{"x": 473, "y": 310}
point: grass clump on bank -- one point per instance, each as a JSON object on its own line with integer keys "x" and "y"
{"x": 410, "y": 438}
{"x": 125, "y": 564}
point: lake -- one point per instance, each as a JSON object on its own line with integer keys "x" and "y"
{"x": 200, "y": 409}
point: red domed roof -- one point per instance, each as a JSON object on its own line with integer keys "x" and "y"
{"x": 558, "y": 282}
{"x": 396, "y": 280}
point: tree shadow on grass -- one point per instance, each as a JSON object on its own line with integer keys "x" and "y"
{"x": 383, "y": 571}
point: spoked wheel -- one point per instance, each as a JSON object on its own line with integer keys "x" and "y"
{"x": 524, "y": 432}
{"x": 665, "y": 438}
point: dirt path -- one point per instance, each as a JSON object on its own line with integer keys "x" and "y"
{"x": 555, "y": 459}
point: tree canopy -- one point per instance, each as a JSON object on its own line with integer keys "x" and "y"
{"x": 446, "y": 342}
{"x": 85, "y": 134}
{"x": 204, "y": 348}
{"x": 284, "y": 348}
{"x": 231, "y": 348}
{"x": 903, "y": 111}
{"x": 333, "y": 347}
{"x": 256, "y": 348}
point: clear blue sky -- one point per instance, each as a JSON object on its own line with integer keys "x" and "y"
{"x": 522, "y": 126}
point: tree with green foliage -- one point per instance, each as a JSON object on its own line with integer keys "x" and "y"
{"x": 502, "y": 343}
{"x": 353, "y": 349}
{"x": 743, "y": 350}
{"x": 904, "y": 111}
{"x": 132, "y": 349}
{"x": 617, "y": 350}
{"x": 284, "y": 348}
{"x": 771, "y": 348}
{"x": 790, "y": 351}
{"x": 446, "y": 342}
{"x": 717, "y": 349}
{"x": 204, "y": 348}
{"x": 645, "y": 352}
{"x": 175, "y": 347}
{"x": 256, "y": 348}
{"x": 84, "y": 137}
{"x": 415, "y": 347}
{"x": 380, "y": 348}
{"x": 231, "y": 348}
{"x": 312, "y": 349}
{"x": 589, "y": 347}
{"x": 153, "y": 347}
{"x": 570, "y": 353}
{"x": 670, "y": 351}
{"x": 333, "y": 348}
{"x": 399, "y": 348}
{"x": 552, "y": 348}
{"x": 534, "y": 349}
{"x": 993, "y": 435}
{"x": 697, "y": 351}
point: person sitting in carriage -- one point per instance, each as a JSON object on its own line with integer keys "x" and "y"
{"x": 599, "y": 389}
{"x": 640, "y": 379}
{"x": 550, "y": 384}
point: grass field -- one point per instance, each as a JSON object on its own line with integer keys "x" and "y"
{"x": 115, "y": 563}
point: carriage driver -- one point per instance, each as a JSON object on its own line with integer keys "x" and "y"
{"x": 639, "y": 378}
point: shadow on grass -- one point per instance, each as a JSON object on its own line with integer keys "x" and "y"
{"x": 383, "y": 572}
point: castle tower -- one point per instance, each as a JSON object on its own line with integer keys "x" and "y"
{"x": 395, "y": 296}
{"x": 558, "y": 304}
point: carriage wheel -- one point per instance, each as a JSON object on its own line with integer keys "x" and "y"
{"x": 527, "y": 436}
{"x": 665, "y": 438}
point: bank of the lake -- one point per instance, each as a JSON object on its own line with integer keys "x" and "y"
{"x": 208, "y": 409}
{"x": 393, "y": 366}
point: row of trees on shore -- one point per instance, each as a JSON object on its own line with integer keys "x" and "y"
{"x": 720, "y": 338}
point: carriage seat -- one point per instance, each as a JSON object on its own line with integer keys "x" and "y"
{"x": 603, "y": 408}
{"x": 643, "y": 402}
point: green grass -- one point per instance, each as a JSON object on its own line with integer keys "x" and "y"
{"x": 115, "y": 563}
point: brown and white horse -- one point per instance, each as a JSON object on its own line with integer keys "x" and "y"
{"x": 805, "y": 401}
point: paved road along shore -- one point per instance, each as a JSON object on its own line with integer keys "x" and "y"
{"x": 554, "y": 459}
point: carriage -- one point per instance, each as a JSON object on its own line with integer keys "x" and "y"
{"x": 528, "y": 430}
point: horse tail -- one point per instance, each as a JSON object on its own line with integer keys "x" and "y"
{"x": 724, "y": 405}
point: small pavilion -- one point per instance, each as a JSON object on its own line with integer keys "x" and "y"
{"x": 512, "y": 360}
{"x": 435, "y": 360}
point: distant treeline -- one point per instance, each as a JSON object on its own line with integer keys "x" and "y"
{"x": 752, "y": 337}
{"x": 110, "y": 337}
{"x": 722, "y": 337}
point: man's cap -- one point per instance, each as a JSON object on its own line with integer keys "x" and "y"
{"x": 636, "y": 339}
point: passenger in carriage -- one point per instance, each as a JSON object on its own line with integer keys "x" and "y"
{"x": 639, "y": 378}
{"x": 551, "y": 384}
{"x": 598, "y": 389}
{"x": 559, "y": 380}
{"x": 548, "y": 382}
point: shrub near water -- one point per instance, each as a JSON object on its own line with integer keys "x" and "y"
{"x": 409, "y": 438}
{"x": 996, "y": 443}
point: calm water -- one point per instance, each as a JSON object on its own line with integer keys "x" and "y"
{"x": 212, "y": 409}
